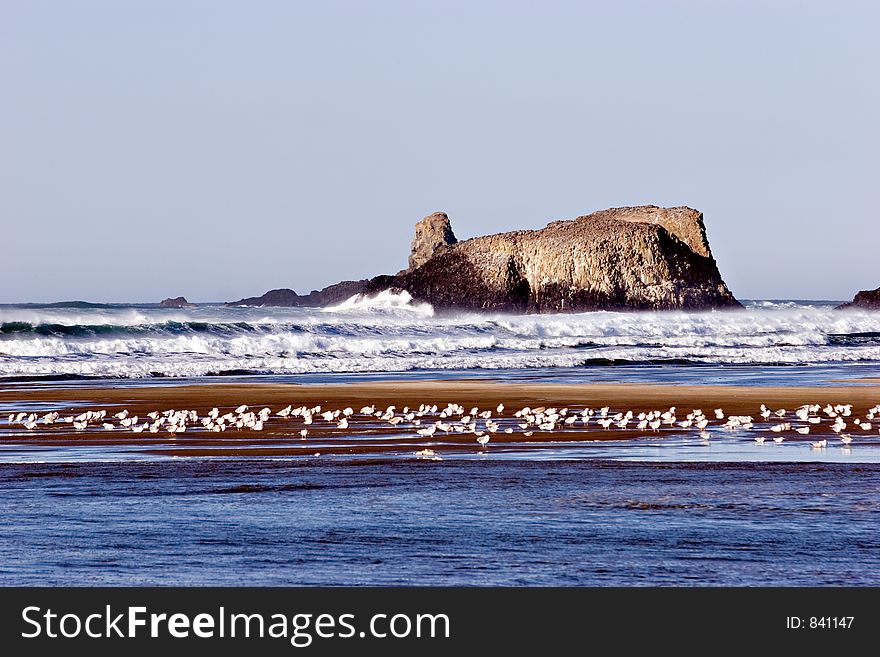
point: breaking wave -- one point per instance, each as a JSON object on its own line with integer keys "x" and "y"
{"x": 384, "y": 301}
{"x": 388, "y": 332}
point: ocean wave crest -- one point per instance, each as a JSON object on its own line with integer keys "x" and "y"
{"x": 389, "y": 332}
{"x": 384, "y": 301}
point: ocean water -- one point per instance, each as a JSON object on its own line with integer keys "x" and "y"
{"x": 463, "y": 523}
{"x": 390, "y": 335}
{"x": 654, "y": 510}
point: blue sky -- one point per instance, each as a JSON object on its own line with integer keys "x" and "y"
{"x": 218, "y": 149}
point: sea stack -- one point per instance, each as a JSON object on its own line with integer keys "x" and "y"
{"x": 432, "y": 232}
{"x": 631, "y": 258}
{"x": 866, "y": 299}
{"x": 176, "y": 302}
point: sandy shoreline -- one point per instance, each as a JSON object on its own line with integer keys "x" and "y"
{"x": 366, "y": 435}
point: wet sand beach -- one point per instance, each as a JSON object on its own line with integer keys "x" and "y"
{"x": 367, "y": 434}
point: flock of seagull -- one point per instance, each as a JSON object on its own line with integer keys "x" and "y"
{"x": 429, "y": 420}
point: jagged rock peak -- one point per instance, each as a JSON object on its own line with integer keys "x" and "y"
{"x": 432, "y": 232}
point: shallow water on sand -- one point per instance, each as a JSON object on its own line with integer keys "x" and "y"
{"x": 730, "y": 447}
{"x": 464, "y": 522}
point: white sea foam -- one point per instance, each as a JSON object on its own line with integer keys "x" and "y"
{"x": 80, "y": 316}
{"x": 390, "y": 333}
{"x": 386, "y": 300}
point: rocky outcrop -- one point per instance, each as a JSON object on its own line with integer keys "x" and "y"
{"x": 330, "y": 295}
{"x": 866, "y": 299}
{"x": 432, "y": 232}
{"x": 639, "y": 258}
{"x": 176, "y": 302}
{"x": 280, "y": 297}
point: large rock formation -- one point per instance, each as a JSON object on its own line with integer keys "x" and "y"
{"x": 867, "y": 299}
{"x": 432, "y": 232}
{"x": 641, "y": 258}
{"x": 330, "y": 295}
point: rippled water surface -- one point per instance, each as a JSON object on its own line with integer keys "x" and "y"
{"x": 511, "y": 522}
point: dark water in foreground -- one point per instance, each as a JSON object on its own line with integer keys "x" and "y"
{"x": 468, "y": 522}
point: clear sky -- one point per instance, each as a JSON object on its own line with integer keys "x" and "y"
{"x": 218, "y": 149}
